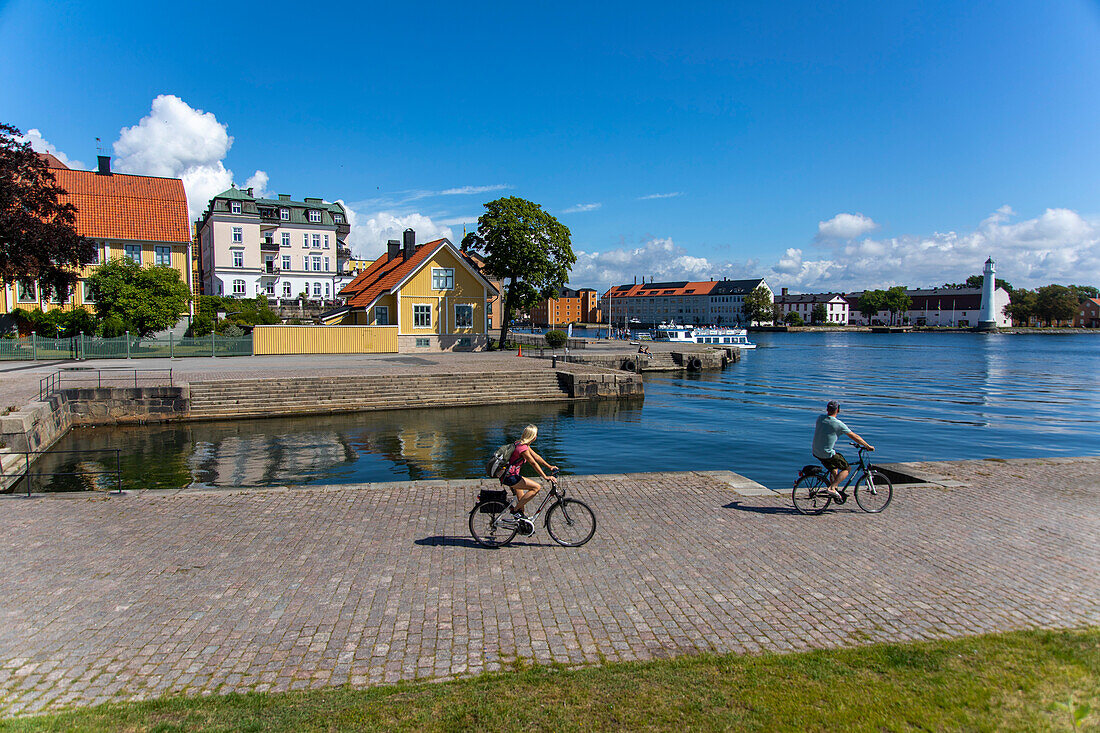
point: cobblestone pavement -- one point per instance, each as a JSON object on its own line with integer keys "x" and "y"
{"x": 147, "y": 594}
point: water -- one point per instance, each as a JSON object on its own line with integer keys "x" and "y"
{"x": 913, "y": 396}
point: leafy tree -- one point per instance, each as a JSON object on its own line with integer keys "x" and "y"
{"x": 777, "y": 314}
{"x": 976, "y": 281}
{"x": 758, "y": 305}
{"x": 819, "y": 314}
{"x": 556, "y": 339}
{"x": 897, "y": 301}
{"x": 56, "y": 322}
{"x": 144, "y": 299}
{"x": 793, "y": 319}
{"x": 239, "y": 312}
{"x": 1055, "y": 303}
{"x": 1021, "y": 306}
{"x": 1084, "y": 292}
{"x": 525, "y": 246}
{"x": 38, "y": 241}
{"x": 871, "y": 302}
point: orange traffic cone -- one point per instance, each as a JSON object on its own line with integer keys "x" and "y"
{"x": 520, "y": 352}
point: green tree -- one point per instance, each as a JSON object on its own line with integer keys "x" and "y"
{"x": 556, "y": 339}
{"x": 975, "y": 281}
{"x": 240, "y": 312}
{"x": 819, "y": 314}
{"x": 897, "y": 301}
{"x": 793, "y": 319}
{"x": 56, "y": 322}
{"x": 1021, "y": 306}
{"x": 871, "y": 302}
{"x": 758, "y": 304}
{"x": 38, "y": 241}
{"x": 144, "y": 299}
{"x": 1084, "y": 292}
{"x": 526, "y": 249}
{"x": 1055, "y": 303}
{"x": 777, "y": 314}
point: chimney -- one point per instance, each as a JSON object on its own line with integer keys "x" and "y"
{"x": 104, "y": 165}
{"x": 248, "y": 191}
{"x": 635, "y": 279}
{"x": 410, "y": 243}
{"x": 393, "y": 248}
{"x": 284, "y": 197}
{"x": 782, "y": 291}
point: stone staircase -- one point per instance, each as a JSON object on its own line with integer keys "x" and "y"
{"x": 249, "y": 398}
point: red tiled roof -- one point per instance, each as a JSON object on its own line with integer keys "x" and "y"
{"x": 52, "y": 161}
{"x": 648, "y": 289}
{"x": 383, "y": 274}
{"x": 121, "y": 206}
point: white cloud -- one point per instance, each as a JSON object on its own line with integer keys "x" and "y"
{"x": 40, "y": 144}
{"x": 258, "y": 183}
{"x": 581, "y": 208}
{"x": 177, "y": 141}
{"x": 465, "y": 190}
{"x": 846, "y": 226}
{"x": 1059, "y": 246}
{"x": 369, "y": 233}
{"x": 652, "y": 196}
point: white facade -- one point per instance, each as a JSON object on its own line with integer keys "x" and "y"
{"x": 946, "y": 307}
{"x": 836, "y": 307}
{"x": 281, "y": 248}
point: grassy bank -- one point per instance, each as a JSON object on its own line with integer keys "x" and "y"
{"x": 1016, "y": 681}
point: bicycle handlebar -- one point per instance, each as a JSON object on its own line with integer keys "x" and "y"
{"x": 860, "y": 447}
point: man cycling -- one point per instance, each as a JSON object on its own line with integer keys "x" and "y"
{"x": 828, "y": 429}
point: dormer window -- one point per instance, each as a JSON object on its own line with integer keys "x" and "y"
{"x": 235, "y": 207}
{"x": 284, "y": 214}
{"x": 315, "y": 216}
{"x": 338, "y": 218}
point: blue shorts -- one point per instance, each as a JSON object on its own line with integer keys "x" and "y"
{"x": 510, "y": 479}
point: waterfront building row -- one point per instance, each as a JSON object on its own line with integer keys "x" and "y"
{"x": 718, "y": 302}
{"x": 140, "y": 218}
{"x": 946, "y": 307}
{"x": 836, "y": 306}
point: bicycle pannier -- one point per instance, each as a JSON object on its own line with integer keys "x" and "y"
{"x": 493, "y": 501}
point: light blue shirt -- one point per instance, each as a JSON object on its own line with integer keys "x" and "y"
{"x": 828, "y": 429}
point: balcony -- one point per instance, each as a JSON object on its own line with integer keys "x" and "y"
{"x": 269, "y": 246}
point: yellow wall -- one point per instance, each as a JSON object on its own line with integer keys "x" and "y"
{"x": 324, "y": 340}
{"x": 468, "y": 290}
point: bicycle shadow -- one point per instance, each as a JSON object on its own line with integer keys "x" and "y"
{"x": 760, "y": 509}
{"x": 448, "y": 541}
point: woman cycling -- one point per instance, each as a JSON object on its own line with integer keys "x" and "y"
{"x": 525, "y": 488}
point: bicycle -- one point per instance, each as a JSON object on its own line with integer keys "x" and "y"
{"x": 873, "y": 489}
{"x": 570, "y": 522}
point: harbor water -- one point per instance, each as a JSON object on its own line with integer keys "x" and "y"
{"x": 913, "y": 396}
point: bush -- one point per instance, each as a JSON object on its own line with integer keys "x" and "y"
{"x": 556, "y": 339}
{"x": 232, "y": 331}
{"x": 793, "y": 319}
{"x": 112, "y": 327}
{"x": 202, "y": 325}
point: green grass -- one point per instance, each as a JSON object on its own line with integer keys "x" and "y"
{"x": 1015, "y": 681}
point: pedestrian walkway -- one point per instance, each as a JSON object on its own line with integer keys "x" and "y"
{"x": 192, "y": 592}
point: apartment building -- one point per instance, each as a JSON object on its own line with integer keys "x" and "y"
{"x": 280, "y": 248}
{"x": 836, "y": 307}
{"x": 142, "y": 218}
{"x": 571, "y": 306}
{"x": 1088, "y": 315}
{"x": 710, "y": 302}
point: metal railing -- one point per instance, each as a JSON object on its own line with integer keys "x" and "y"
{"x": 85, "y": 377}
{"x": 26, "y": 475}
{"x": 34, "y": 347}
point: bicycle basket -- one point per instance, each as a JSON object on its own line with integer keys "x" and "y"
{"x": 810, "y": 470}
{"x": 493, "y": 501}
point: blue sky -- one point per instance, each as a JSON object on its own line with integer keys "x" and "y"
{"x": 824, "y": 146}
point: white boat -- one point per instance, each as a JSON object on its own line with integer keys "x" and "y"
{"x": 717, "y": 335}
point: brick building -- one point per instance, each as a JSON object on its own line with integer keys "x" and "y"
{"x": 571, "y": 306}
{"x": 1088, "y": 315}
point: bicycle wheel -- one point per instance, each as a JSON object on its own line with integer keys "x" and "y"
{"x": 810, "y": 494}
{"x": 484, "y": 525}
{"x": 874, "y": 491}
{"x": 571, "y": 523}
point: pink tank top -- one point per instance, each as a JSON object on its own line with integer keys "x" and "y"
{"x": 517, "y": 460}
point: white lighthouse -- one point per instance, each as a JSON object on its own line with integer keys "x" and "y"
{"x": 987, "y": 317}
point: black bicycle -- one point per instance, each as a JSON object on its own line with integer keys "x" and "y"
{"x": 570, "y": 522}
{"x": 873, "y": 489}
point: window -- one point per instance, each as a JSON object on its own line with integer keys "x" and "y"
{"x": 271, "y": 288}
{"x": 326, "y": 290}
{"x": 422, "y": 316}
{"x": 326, "y": 241}
{"x": 95, "y": 259}
{"x": 133, "y": 253}
{"x": 305, "y": 240}
{"x": 238, "y": 234}
{"x": 235, "y": 207}
{"x": 163, "y": 255}
{"x": 286, "y": 263}
{"x": 286, "y": 239}
{"x": 464, "y": 316}
{"x": 284, "y": 214}
{"x": 316, "y": 290}
{"x": 238, "y": 287}
{"x": 443, "y": 278}
{"x": 26, "y": 292}
{"x": 382, "y": 315}
{"x": 316, "y": 264}
{"x": 423, "y": 343}
{"x": 326, "y": 264}
{"x": 89, "y": 296}
{"x": 286, "y": 290}
{"x": 316, "y": 241}
{"x": 338, "y": 218}
{"x": 238, "y": 258}
{"x": 314, "y": 216}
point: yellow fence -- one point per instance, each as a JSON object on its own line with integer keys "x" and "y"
{"x": 324, "y": 340}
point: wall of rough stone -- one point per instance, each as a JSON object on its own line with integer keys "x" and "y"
{"x": 123, "y": 405}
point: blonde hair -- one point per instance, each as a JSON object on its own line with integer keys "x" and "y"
{"x": 529, "y": 434}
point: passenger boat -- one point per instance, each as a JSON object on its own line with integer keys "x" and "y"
{"x": 717, "y": 335}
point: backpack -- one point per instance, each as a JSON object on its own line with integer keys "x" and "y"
{"x": 499, "y": 461}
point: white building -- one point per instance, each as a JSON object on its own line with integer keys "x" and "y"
{"x": 710, "y": 302}
{"x": 950, "y": 307}
{"x": 836, "y": 307}
{"x": 280, "y": 248}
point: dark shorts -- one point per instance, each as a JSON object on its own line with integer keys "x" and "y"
{"x": 834, "y": 462}
{"x": 510, "y": 479}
